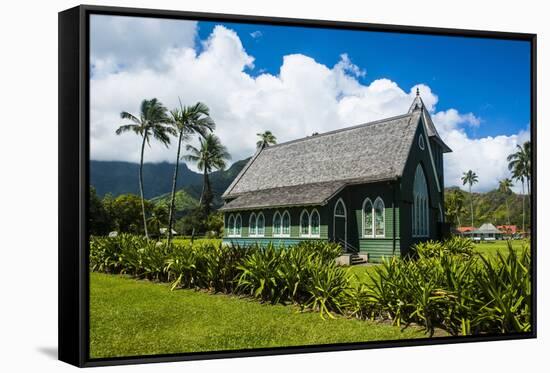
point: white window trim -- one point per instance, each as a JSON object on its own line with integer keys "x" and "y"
{"x": 421, "y": 142}
{"x": 308, "y": 234}
{"x": 420, "y": 218}
{"x": 340, "y": 200}
{"x": 250, "y": 219}
{"x": 314, "y": 211}
{"x": 383, "y": 235}
{"x": 363, "y": 218}
{"x": 233, "y": 232}
{"x": 309, "y": 227}
{"x": 334, "y": 216}
{"x": 257, "y": 219}
{"x": 373, "y": 212}
{"x": 282, "y": 225}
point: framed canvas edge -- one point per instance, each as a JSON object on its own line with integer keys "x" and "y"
{"x": 73, "y": 106}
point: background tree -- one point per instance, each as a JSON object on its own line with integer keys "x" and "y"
{"x": 158, "y": 220}
{"x": 504, "y": 186}
{"x": 267, "y": 138}
{"x": 454, "y": 206}
{"x": 186, "y": 121}
{"x": 470, "y": 178}
{"x": 151, "y": 123}
{"x": 126, "y": 212}
{"x": 520, "y": 165}
{"x": 211, "y": 155}
{"x": 100, "y": 222}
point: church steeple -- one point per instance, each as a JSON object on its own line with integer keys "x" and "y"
{"x": 417, "y": 103}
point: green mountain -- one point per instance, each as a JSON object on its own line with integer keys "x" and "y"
{"x": 118, "y": 178}
{"x": 184, "y": 203}
{"x": 490, "y": 207}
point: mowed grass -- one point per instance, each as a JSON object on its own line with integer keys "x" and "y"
{"x": 131, "y": 317}
{"x": 489, "y": 249}
{"x": 187, "y": 240}
{"x": 360, "y": 274}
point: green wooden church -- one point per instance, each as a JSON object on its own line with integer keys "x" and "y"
{"x": 376, "y": 188}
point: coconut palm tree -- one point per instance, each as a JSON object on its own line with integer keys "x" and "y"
{"x": 520, "y": 165}
{"x": 267, "y": 138}
{"x": 470, "y": 178}
{"x": 504, "y": 186}
{"x": 186, "y": 121}
{"x": 151, "y": 123}
{"x": 454, "y": 206}
{"x": 211, "y": 155}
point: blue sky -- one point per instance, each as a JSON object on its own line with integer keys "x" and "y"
{"x": 295, "y": 81}
{"x": 485, "y": 76}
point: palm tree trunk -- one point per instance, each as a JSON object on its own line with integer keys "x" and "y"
{"x": 507, "y": 210}
{"x": 207, "y": 199}
{"x": 141, "y": 188}
{"x": 202, "y": 199}
{"x": 171, "y": 212}
{"x": 471, "y": 203}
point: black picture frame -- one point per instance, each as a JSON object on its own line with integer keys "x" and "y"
{"x": 73, "y": 181}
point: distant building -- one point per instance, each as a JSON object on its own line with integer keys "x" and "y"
{"x": 463, "y": 230}
{"x": 508, "y": 229}
{"x": 487, "y": 232}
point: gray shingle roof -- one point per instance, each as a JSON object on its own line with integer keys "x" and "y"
{"x": 312, "y": 169}
{"x": 297, "y": 195}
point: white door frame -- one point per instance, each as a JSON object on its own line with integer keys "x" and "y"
{"x": 340, "y": 216}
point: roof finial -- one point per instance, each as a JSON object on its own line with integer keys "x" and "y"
{"x": 417, "y": 92}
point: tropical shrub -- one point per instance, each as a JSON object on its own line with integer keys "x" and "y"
{"x": 442, "y": 286}
{"x": 461, "y": 293}
{"x": 453, "y": 246}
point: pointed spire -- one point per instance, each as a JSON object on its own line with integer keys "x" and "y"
{"x": 417, "y": 103}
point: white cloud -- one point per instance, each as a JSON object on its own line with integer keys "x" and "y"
{"x": 256, "y": 34}
{"x": 304, "y": 97}
{"x": 485, "y": 156}
{"x": 123, "y": 43}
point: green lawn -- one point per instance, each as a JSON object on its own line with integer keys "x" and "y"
{"x": 187, "y": 240}
{"x": 131, "y": 317}
{"x": 490, "y": 249}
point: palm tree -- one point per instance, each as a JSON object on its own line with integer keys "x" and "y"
{"x": 504, "y": 186}
{"x": 520, "y": 165}
{"x": 470, "y": 178}
{"x": 150, "y": 124}
{"x": 186, "y": 121}
{"x": 211, "y": 155}
{"x": 267, "y": 138}
{"x": 521, "y": 161}
{"x": 454, "y": 206}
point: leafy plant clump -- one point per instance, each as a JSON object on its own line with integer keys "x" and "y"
{"x": 443, "y": 285}
{"x": 451, "y": 289}
{"x": 305, "y": 274}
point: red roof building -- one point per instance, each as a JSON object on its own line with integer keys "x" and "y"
{"x": 508, "y": 229}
